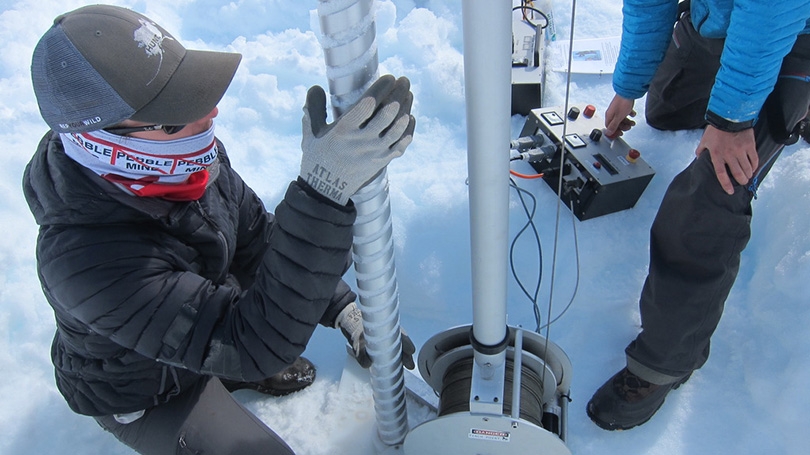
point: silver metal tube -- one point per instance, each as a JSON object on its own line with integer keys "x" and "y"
{"x": 350, "y": 52}
{"x": 487, "y": 65}
{"x": 517, "y": 373}
{"x": 379, "y": 302}
{"x": 563, "y": 402}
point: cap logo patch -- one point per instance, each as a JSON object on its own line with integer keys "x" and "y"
{"x": 150, "y": 38}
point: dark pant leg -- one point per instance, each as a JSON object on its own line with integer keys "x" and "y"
{"x": 679, "y": 92}
{"x": 204, "y": 420}
{"x": 698, "y": 236}
{"x": 695, "y": 245}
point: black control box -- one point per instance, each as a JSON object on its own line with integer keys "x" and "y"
{"x": 600, "y": 175}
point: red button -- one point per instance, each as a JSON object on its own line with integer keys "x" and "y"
{"x": 632, "y": 155}
{"x": 589, "y": 111}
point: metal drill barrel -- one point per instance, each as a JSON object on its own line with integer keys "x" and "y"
{"x": 349, "y": 42}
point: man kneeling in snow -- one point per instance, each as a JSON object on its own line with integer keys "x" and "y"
{"x": 170, "y": 282}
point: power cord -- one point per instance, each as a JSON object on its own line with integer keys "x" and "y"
{"x": 528, "y": 6}
{"x": 530, "y": 212}
{"x": 532, "y": 296}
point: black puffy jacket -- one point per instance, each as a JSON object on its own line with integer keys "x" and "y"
{"x": 150, "y": 294}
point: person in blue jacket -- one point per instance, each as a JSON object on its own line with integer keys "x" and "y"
{"x": 740, "y": 69}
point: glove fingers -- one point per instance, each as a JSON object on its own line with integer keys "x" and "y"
{"x": 402, "y": 94}
{"x": 359, "y": 144}
{"x": 383, "y": 120}
{"x": 400, "y": 135}
{"x": 363, "y": 359}
{"x": 315, "y": 110}
{"x": 359, "y": 115}
{"x": 361, "y": 353}
{"x": 373, "y": 99}
{"x": 407, "y": 344}
{"x": 408, "y": 350}
{"x": 381, "y": 89}
{"x": 407, "y": 362}
{"x": 400, "y": 146}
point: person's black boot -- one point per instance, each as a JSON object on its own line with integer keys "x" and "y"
{"x": 295, "y": 377}
{"x": 626, "y": 401}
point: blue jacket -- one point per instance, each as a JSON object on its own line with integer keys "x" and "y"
{"x": 758, "y": 33}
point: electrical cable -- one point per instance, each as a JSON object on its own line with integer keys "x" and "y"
{"x": 525, "y": 176}
{"x": 530, "y": 214}
{"x": 533, "y": 298}
{"x": 560, "y": 182}
{"x": 523, "y": 9}
{"x": 576, "y": 281}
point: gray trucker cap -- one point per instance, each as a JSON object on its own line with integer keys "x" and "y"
{"x": 101, "y": 64}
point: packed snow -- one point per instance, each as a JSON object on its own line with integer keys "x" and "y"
{"x": 750, "y": 398}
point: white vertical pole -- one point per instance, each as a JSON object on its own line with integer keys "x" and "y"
{"x": 487, "y": 65}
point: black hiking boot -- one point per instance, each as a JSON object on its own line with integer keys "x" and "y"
{"x": 295, "y": 377}
{"x": 626, "y": 401}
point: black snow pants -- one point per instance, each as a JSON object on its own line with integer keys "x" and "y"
{"x": 700, "y": 231}
{"x": 205, "y": 419}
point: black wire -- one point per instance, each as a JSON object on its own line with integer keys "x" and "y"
{"x": 576, "y": 282}
{"x": 531, "y": 8}
{"x": 533, "y": 297}
{"x": 529, "y": 223}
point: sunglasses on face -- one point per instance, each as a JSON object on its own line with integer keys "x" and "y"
{"x": 124, "y": 130}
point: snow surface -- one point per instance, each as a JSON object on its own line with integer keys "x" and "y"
{"x": 750, "y": 398}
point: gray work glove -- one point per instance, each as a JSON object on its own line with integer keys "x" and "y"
{"x": 350, "y": 322}
{"x": 340, "y": 157}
